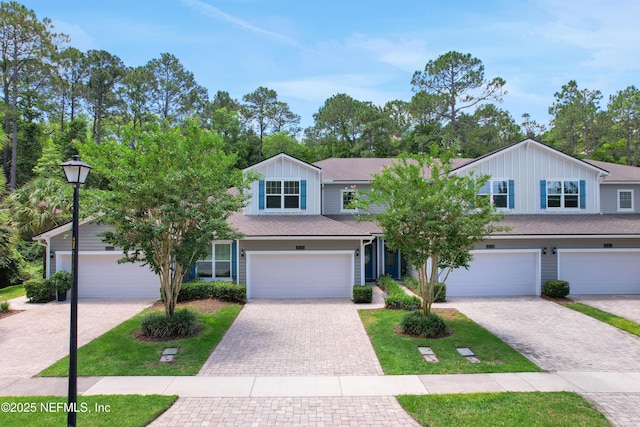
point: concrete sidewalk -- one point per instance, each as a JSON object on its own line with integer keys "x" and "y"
{"x": 330, "y": 386}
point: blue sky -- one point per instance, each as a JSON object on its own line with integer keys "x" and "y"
{"x": 309, "y": 51}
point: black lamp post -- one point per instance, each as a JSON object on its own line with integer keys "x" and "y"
{"x": 76, "y": 173}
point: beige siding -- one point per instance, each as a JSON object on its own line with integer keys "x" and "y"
{"x": 290, "y": 245}
{"x": 527, "y": 164}
{"x": 283, "y": 168}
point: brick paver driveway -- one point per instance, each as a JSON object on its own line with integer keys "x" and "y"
{"x": 37, "y": 337}
{"x": 560, "y": 339}
{"x": 295, "y": 338}
{"x": 292, "y": 338}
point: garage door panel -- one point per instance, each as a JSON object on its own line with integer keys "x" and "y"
{"x": 494, "y": 273}
{"x": 296, "y": 275}
{"x": 600, "y": 273}
{"x": 100, "y": 276}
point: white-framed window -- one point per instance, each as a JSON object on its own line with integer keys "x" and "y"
{"x": 346, "y": 197}
{"x": 625, "y": 200}
{"x": 497, "y": 190}
{"x": 217, "y": 264}
{"x": 563, "y": 194}
{"x": 282, "y": 194}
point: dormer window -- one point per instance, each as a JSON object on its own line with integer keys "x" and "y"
{"x": 282, "y": 194}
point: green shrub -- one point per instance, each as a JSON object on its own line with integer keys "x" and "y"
{"x": 160, "y": 326}
{"x": 38, "y": 290}
{"x": 60, "y": 281}
{"x": 415, "y": 324}
{"x": 397, "y": 298}
{"x": 556, "y": 288}
{"x": 413, "y": 284}
{"x": 440, "y": 291}
{"x": 4, "y": 306}
{"x": 362, "y": 294}
{"x": 223, "y": 291}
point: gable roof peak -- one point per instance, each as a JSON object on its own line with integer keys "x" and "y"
{"x": 282, "y": 156}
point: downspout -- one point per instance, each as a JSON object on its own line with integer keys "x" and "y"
{"x": 363, "y": 278}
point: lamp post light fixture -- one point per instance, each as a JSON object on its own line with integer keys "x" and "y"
{"x": 76, "y": 173}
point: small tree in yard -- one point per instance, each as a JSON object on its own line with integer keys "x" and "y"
{"x": 167, "y": 198}
{"x": 433, "y": 217}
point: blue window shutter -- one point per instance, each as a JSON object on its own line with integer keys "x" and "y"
{"x": 303, "y": 194}
{"x": 234, "y": 260}
{"x": 583, "y": 194}
{"x": 512, "y": 196}
{"x": 261, "y": 194}
{"x": 543, "y": 194}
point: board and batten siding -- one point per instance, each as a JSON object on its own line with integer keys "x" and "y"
{"x": 88, "y": 240}
{"x": 285, "y": 168}
{"x": 527, "y": 165}
{"x": 290, "y": 245}
{"x": 609, "y": 197}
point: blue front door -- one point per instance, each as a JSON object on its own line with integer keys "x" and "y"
{"x": 392, "y": 262}
{"x": 370, "y": 261}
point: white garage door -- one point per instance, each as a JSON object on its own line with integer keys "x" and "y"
{"x": 317, "y": 274}
{"x": 100, "y": 276}
{"x": 498, "y": 273}
{"x": 614, "y": 271}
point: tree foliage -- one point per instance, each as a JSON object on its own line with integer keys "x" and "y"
{"x": 168, "y": 198}
{"x": 433, "y": 217}
{"x": 457, "y": 82}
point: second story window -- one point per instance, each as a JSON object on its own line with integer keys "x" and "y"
{"x": 282, "y": 194}
{"x": 347, "y": 197}
{"x": 563, "y": 194}
{"x": 500, "y": 191}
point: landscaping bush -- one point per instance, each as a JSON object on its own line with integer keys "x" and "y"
{"x": 413, "y": 284}
{"x": 4, "y": 306}
{"x": 415, "y": 324}
{"x": 223, "y": 291}
{"x": 38, "y": 290}
{"x": 362, "y": 294}
{"x": 397, "y": 298}
{"x": 160, "y": 326}
{"x": 60, "y": 281}
{"x": 556, "y": 288}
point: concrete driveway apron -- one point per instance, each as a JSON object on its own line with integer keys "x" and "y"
{"x": 560, "y": 339}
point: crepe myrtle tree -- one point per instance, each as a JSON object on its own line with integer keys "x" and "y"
{"x": 432, "y": 216}
{"x": 169, "y": 194}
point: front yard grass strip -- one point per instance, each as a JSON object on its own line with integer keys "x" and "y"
{"x": 117, "y": 352}
{"x": 606, "y": 317}
{"x": 93, "y": 411}
{"x": 398, "y": 354}
{"x": 532, "y": 409}
{"x": 11, "y": 292}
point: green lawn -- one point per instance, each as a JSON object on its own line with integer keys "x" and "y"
{"x": 92, "y": 411}
{"x": 503, "y": 409}
{"x": 118, "y": 352}
{"x": 613, "y": 320}
{"x": 398, "y": 354}
{"x": 10, "y": 292}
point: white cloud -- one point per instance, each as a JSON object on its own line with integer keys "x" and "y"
{"x": 79, "y": 38}
{"x": 404, "y": 54}
{"x": 609, "y": 31}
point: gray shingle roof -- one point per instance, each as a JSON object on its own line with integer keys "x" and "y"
{"x": 617, "y": 172}
{"x": 292, "y": 225}
{"x": 572, "y": 224}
